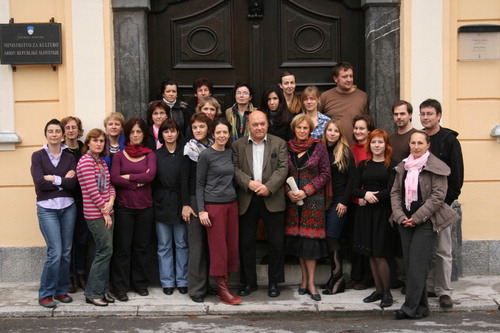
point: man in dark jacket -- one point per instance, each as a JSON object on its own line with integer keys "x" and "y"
{"x": 445, "y": 146}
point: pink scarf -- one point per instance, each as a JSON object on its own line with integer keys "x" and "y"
{"x": 413, "y": 166}
{"x": 156, "y": 129}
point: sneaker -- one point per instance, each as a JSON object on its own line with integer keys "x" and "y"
{"x": 445, "y": 301}
{"x": 64, "y": 298}
{"x": 47, "y": 302}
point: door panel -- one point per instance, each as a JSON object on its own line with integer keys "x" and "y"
{"x": 253, "y": 41}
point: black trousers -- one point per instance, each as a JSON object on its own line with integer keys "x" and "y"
{"x": 130, "y": 262}
{"x": 275, "y": 224}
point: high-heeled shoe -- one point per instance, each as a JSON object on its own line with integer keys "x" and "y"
{"x": 337, "y": 287}
{"x": 316, "y": 297}
{"x": 96, "y": 301}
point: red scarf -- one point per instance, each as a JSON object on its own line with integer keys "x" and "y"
{"x": 137, "y": 150}
{"x": 301, "y": 146}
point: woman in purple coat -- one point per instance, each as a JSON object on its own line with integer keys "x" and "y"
{"x": 309, "y": 166}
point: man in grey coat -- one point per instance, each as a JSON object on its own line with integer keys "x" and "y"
{"x": 261, "y": 167}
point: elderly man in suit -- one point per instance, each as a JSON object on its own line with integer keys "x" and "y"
{"x": 261, "y": 167}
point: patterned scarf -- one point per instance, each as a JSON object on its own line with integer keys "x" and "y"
{"x": 413, "y": 166}
{"x": 301, "y": 146}
{"x": 101, "y": 177}
{"x": 193, "y": 148}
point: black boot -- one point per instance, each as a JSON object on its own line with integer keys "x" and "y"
{"x": 336, "y": 283}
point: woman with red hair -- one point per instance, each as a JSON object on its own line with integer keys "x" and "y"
{"x": 373, "y": 235}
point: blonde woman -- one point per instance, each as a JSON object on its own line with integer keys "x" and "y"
{"x": 342, "y": 175}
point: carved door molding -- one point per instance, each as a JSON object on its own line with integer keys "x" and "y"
{"x": 230, "y": 41}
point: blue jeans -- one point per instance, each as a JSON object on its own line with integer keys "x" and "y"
{"x": 98, "y": 280}
{"x": 57, "y": 227}
{"x": 169, "y": 277}
{"x": 334, "y": 223}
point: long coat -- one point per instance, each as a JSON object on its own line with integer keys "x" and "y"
{"x": 309, "y": 220}
{"x": 433, "y": 186}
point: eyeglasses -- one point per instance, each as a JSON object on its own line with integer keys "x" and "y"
{"x": 427, "y": 114}
{"x": 244, "y": 93}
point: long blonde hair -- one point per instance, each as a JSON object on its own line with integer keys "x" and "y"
{"x": 341, "y": 151}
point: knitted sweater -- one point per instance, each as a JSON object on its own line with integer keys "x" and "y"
{"x": 41, "y": 166}
{"x": 87, "y": 172}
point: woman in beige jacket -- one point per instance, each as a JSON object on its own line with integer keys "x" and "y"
{"x": 417, "y": 200}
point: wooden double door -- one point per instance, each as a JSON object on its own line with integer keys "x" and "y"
{"x": 252, "y": 41}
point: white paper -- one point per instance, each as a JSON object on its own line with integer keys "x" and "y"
{"x": 293, "y": 185}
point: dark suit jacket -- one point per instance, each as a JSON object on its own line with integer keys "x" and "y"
{"x": 274, "y": 172}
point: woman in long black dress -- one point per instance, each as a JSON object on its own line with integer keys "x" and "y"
{"x": 373, "y": 235}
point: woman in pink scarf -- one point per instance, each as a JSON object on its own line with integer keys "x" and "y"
{"x": 417, "y": 200}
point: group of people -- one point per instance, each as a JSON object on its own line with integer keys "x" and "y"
{"x": 301, "y": 167}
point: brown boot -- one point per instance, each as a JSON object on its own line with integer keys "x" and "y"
{"x": 224, "y": 293}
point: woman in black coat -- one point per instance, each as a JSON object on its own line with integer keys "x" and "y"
{"x": 170, "y": 191}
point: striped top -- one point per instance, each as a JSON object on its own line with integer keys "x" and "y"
{"x": 87, "y": 171}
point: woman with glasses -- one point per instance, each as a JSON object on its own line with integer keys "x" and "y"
{"x": 237, "y": 114}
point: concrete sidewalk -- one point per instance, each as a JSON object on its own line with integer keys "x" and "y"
{"x": 472, "y": 293}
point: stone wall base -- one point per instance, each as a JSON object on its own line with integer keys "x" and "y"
{"x": 480, "y": 257}
{"x": 24, "y": 264}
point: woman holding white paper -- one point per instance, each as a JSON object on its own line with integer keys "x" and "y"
{"x": 309, "y": 167}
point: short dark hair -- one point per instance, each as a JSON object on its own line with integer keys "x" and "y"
{"x": 153, "y": 106}
{"x": 432, "y": 103}
{"x": 201, "y": 117}
{"x": 130, "y": 124}
{"x": 221, "y": 121}
{"x": 95, "y": 133}
{"x": 243, "y": 84}
{"x": 409, "y": 107}
{"x": 370, "y": 123}
{"x": 52, "y": 122}
{"x": 343, "y": 65}
{"x": 166, "y": 83}
{"x": 166, "y": 125}
{"x": 203, "y": 81}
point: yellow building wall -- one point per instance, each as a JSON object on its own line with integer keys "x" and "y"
{"x": 474, "y": 94}
{"x": 40, "y": 94}
{"x": 471, "y": 100}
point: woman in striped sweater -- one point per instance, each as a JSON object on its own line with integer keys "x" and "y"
{"x": 98, "y": 199}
